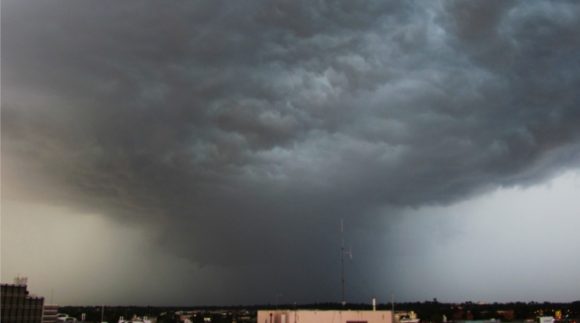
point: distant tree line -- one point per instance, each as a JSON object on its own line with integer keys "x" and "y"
{"x": 428, "y": 311}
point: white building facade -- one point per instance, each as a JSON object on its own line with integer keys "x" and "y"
{"x": 324, "y": 316}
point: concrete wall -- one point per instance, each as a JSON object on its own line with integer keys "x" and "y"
{"x": 321, "y": 316}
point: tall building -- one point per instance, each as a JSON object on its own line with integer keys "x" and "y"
{"x": 17, "y": 306}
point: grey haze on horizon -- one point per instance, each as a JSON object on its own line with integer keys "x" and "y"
{"x": 205, "y": 152}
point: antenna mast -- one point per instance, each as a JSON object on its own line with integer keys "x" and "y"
{"x": 342, "y": 260}
{"x": 342, "y": 253}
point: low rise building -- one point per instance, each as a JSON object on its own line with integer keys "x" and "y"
{"x": 49, "y": 314}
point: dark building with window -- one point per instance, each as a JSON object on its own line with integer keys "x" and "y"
{"x": 17, "y": 306}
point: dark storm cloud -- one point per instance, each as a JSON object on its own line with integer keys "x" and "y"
{"x": 245, "y": 130}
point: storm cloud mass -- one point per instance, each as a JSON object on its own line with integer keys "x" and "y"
{"x": 238, "y": 134}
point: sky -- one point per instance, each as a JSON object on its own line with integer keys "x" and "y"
{"x": 205, "y": 152}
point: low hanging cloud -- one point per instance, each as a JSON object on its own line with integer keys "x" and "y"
{"x": 244, "y": 131}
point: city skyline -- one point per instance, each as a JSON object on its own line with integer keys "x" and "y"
{"x": 206, "y": 152}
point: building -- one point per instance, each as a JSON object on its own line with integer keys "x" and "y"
{"x": 323, "y": 316}
{"x": 17, "y": 306}
{"x": 406, "y": 317}
{"x": 49, "y": 314}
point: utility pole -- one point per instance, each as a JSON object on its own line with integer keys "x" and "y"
{"x": 393, "y": 307}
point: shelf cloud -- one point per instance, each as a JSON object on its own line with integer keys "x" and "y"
{"x": 240, "y": 133}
